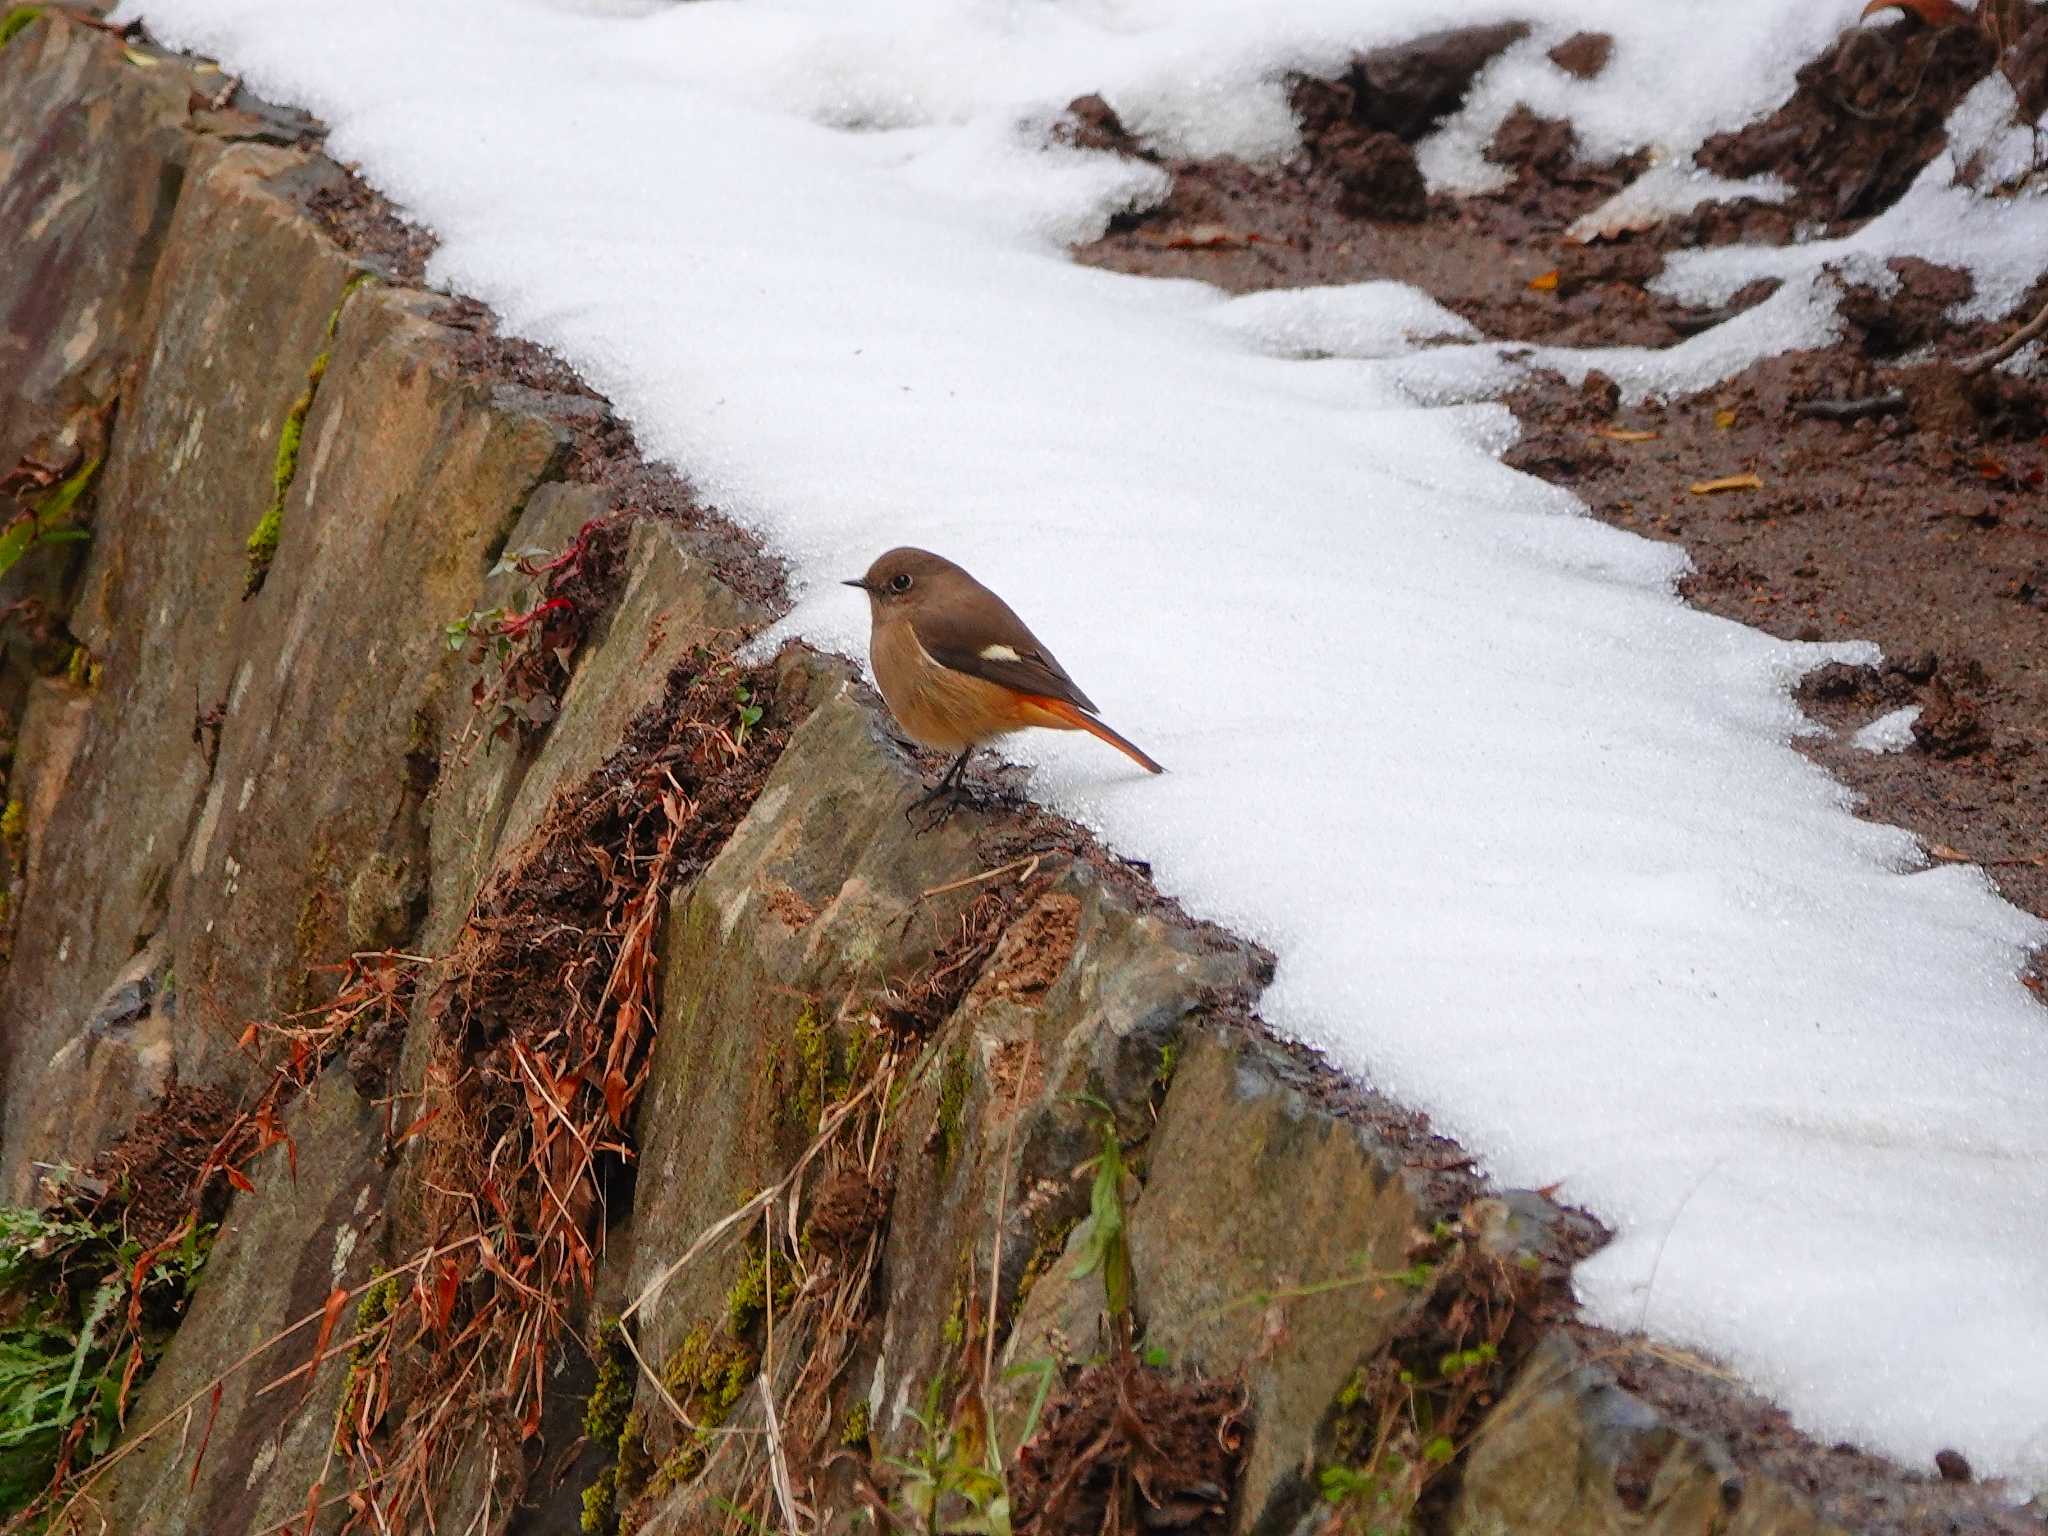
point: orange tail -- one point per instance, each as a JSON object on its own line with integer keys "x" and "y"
{"x": 1059, "y": 715}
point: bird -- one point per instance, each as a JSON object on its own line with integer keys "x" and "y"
{"x": 958, "y": 668}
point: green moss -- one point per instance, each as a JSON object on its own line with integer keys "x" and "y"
{"x": 262, "y": 542}
{"x": 812, "y": 1042}
{"x": 1169, "y": 1059}
{"x": 854, "y": 1431}
{"x": 611, "y": 1399}
{"x": 600, "y": 1502}
{"x": 706, "y": 1375}
{"x": 14, "y": 829}
{"x": 954, "y": 1081}
{"x": 17, "y": 19}
{"x": 379, "y": 1301}
{"x": 82, "y": 669}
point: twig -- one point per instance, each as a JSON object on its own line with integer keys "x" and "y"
{"x": 778, "y": 1465}
{"x": 1993, "y": 356}
{"x": 1851, "y": 410}
{"x": 1029, "y": 864}
{"x": 995, "y": 1269}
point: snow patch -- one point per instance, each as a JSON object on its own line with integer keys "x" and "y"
{"x": 1887, "y": 733}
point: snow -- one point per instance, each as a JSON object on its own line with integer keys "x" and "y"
{"x": 1891, "y": 732}
{"x": 1525, "y": 832}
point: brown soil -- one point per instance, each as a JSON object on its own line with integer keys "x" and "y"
{"x": 1123, "y": 1447}
{"x": 157, "y": 1174}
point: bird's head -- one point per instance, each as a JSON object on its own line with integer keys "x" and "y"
{"x": 904, "y": 578}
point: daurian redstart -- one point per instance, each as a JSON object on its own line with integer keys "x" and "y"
{"x": 958, "y": 668}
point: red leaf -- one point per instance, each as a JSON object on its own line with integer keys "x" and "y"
{"x": 336, "y": 1300}
{"x": 212, "y": 1413}
{"x": 444, "y": 1294}
{"x": 240, "y": 1180}
{"x": 417, "y": 1126}
{"x": 1934, "y": 13}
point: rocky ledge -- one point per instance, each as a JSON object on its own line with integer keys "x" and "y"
{"x": 590, "y": 1099}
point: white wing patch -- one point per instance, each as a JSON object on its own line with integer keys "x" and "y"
{"x": 999, "y": 653}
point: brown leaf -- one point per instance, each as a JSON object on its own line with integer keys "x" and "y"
{"x": 336, "y": 1300}
{"x": 1726, "y": 483}
{"x": 417, "y": 1126}
{"x": 212, "y": 1413}
{"x": 1934, "y": 13}
{"x": 1544, "y": 282}
{"x": 1202, "y": 237}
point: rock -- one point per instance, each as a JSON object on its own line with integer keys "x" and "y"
{"x": 409, "y": 479}
{"x": 1569, "y": 1452}
{"x": 1082, "y": 1010}
{"x": 1583, "y": 55}
{"x": 811, "y": 907}
{"x": 1092, "y": 123}
{"x": 1376, "y": 173}
{"x": 478, "y": 776}
{"x": 118, "y": 1063}
{"x": 672, "y": 605}
{"x": 159, "y": 603}
{"x": 88, "y": 194}
{"x": 1253, "y": 1191}
{"x": 1408, "y": 89}
{"x": 281, "y": 1250}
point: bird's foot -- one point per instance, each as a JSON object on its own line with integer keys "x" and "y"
{"x": 939, "y": 804}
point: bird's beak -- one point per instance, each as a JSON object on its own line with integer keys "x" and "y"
{"x": 858, "y": 581}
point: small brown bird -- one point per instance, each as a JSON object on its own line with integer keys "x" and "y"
{"x": 959, "y": 669}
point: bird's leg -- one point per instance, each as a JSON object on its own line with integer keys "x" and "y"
{"x": 944, "y": 796}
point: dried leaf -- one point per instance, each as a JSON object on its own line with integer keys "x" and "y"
{"x": 1202, "y": 237}
{"x": 1624, "y": 434}
{"x": 445, "y": 1285}
{"x": 336, "y": 1300}
{"x": 240, "y": 1180}
{"x": 138, "y": 58}
{"x": 1544, "y": 282}
{"x": 1724, "y": 419}
{"x": 417, "y": 1126}
{"x": 1953, "y": 855}
{"x": 212, "y": 1413}
{"x": 1726, "y": 483}
{"x": 1935, "y": 13}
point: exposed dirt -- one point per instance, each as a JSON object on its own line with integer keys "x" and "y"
{"x": 1123, "y": 1446}
{"x": 162, "y": 1170}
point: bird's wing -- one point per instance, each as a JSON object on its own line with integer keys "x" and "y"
{"x": 997, "y": 647}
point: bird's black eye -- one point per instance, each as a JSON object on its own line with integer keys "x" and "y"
{"x": 900, "y": 582}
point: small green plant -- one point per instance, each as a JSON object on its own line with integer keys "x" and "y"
{"x": 749, "y": 714}
{"x": 1105, "y": 1247}
{"x": 46, "y": 520}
